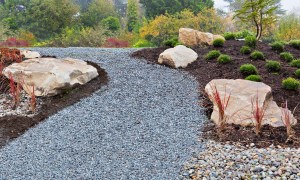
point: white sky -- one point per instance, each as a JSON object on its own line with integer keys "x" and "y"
{"x": 288, "y": 5}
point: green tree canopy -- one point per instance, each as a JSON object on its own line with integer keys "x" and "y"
{"x": 132, "y": 15}
{"x": 157, "y": 7}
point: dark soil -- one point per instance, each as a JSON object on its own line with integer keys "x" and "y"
{"x": 204, "y": 71}
{"x": 13, "y": 126}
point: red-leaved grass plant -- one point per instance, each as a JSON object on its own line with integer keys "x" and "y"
{"x": 15, "y": 90}
{"x": 222, "y": 104}
{"x": 287, "y": 118}
{"x": 32, "y": 100}
{"x": 258, "y": 114}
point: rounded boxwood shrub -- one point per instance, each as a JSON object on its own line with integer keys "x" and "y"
{"x": 296, "y": 63}
{"x": 245, "y": 50}
{"x": 219, "y": 42}
{"x": 223, "y": 59}
{"x": 212, "y": 55}
{"x": 273, "y": 66}
{"x": 277, "y": 46}
{"x": 290, "y": 84}
{"x": 286, "y": 56}
{"x": 248, "y": 69}
{"x": 229, "y": 35}
{"x": 295, "y": 44}
{"x": 257, "y": 55}
{"x": 297, "y": 73}
{"x": 250, "y": 41}
{"x": 253, "y": 77}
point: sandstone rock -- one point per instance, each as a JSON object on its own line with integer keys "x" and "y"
{"x": 191, "y": 37}
{"x": 179, "y": 56}
{"x": 243, "y": 94}
{"x": 50, "y": 76}
{"x": 30, "y": 54}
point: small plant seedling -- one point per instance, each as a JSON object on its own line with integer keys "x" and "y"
{"x": 224, "y": 59}
{"x": 273, "y": 66}
{"x": 288, "y": 57}
{"x": 248, "y": 69}
{"x": 245, "y": 50}
{"x": 297, "y": 73}
{"x": 296, "y": 63}
{"x": 212, "y": 55}
{"x": 277, "y": 46}
{"x": 250, "y": 41}
{"x": 256, "y": 55}
{"x": 255, "y": 78}
{"x": 219, "y": 42}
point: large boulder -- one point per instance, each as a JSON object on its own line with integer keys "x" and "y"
{"x": 179, "y": 56}
{"x": 30, "y": 54}
{"x": 244, "y": 95}
{"x": 191, "y": 37}
{"x": 50, "y": 76}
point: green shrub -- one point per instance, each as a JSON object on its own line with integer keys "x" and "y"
{"x": 223, "y": 59}
{"x": 219, "y": 42}
{"x": 297, "y": 73}
{"x": 296, "y": 63}
{"x": 212, "y": 55}
{"x": 273, "y": 66}
{"x": 255, "y": 78}
{"x": 229, "y": 36}
{"x": 245, "y": 50}
{"x": 257, "y": 55}
{"x": 295, "y": 44}
{"x": 286, "y": 56}
{"x": 112, "y": 23}
{"x": 277, "y": 46}
{"x": 171, "y": 42}
{"x": 143, "y": 43}
{"x": 243, "y": 34}
{"x": 290, "y": 84}
{"x": 250, "y": 41}
{"x": 248, "y": 69}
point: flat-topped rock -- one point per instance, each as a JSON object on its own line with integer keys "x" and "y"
{"x": 243, "y": 96}
{"x": 50, "y": 76}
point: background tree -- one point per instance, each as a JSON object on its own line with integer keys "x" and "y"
{"x": 288, "y": 28}
{"x": 132, "y": 15}
{"x": 260, "y": 13}
{"x": 158, "y": 7}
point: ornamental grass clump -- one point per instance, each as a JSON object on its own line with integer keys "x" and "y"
{"x": 288, "y": 57}
{"x": 15, "y": 91}
{"x": 219, "y": 42}
{"x": 245, "y": 50}
{"x": 224, "y": 59}
{"x": 297, "y": 73}
{"x": 295, "y": 44}
{"x": 277, "y": 46}
{"x": 286, "y": 118}
{"x": 255, "y": 78}
{"x": 248, "y": 69}
{"x": 258, "y": 114}
{"x": 250, "y": 41}
{"x": 295, "y": 63}
{"x": 257, "y": 55}
{"x": 229, "y": 36}
{"x": 291, "y": 84}
{"x": 273, "y": 66}
{"x": 214, "y": 54}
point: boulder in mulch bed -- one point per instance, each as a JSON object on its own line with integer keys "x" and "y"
{"x": 179, "y": 56}
{"x": 50, "y": 76}
{"x": 191, "y": 37}
{"x": 244, "y": 98}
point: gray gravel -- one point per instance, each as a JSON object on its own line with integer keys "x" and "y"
{"x": 143, "y": 125}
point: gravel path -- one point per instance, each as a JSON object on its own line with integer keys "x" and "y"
{"x": 143, "y": 125}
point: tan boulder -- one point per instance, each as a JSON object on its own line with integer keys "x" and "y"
{"x": 191, "y": 37}
{"x": 179, "y": 56}
{"x": 243, "y": 97}
{"x": 50, "y": 76}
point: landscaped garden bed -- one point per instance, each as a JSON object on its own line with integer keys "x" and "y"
{"x": 205, "y": 70}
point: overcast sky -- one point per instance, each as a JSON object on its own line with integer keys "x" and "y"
{"x": 288, "y": 5}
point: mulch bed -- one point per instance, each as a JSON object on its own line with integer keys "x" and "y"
{"x": 204, "y": 71}
{"x": 13, "y": 126}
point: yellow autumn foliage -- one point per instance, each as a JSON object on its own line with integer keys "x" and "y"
{"x": 289, "y": 28}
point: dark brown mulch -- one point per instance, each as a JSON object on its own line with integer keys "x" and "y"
{"x": 13, "y": 126}
{"x": 204, "y": 71}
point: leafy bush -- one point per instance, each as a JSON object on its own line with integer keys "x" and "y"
{"x": 295, "y": 44}
{"x": 112, "y": 23}
{"x": 250, "y": 41}
{"x": 245, "y": 50}
{"x": 14, "y": 42}
{"x": 297, "y": 73}
{"x": 143, "y": 43}
{"x": 212, "y": 55}
{"x": 296, "y": 63}
{"x": 253, "y": 77}
{"x": 290, "y": 84}
{"x": 286, "y": 56}
{"x": 243, "y": 34}
{"x": 171, "y": 42}
{"x": 273, "y": 66}
{"x": 229, "y": 36}
{"x": 219, "y": 42}
{"x": 224, "y": 59}
{"x": 257, "y": 55}
{"x": 277, "y": 46}
{"x": 248, "y": 69}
